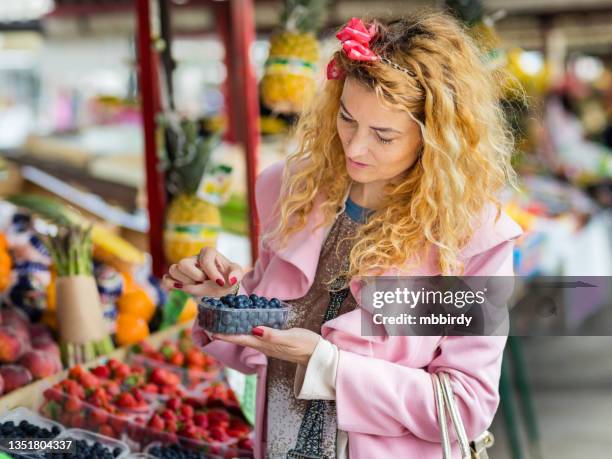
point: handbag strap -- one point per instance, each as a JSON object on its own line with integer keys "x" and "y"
{"x": 445, "y": 399}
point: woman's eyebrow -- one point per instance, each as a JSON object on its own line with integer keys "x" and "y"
{"x": 379, "y": 129}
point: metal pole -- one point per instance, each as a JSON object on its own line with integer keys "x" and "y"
{"x": 236, "y": 21}
{"x": 149, "y": 98}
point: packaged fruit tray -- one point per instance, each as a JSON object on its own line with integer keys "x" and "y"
{"x": 90, "y": 444}
{"x": 23, "y": 423}
{"x": 238, "y": 314}
{"x": 179, "y": 356}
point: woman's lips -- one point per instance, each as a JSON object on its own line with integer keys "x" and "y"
{"x": 356, "y": 164}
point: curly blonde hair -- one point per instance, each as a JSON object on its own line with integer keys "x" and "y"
{"x": 463, "y": 162}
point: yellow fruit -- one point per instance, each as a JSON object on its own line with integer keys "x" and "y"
{"x": 289, "y": 80}
{"x": 113, "y": 250}
{"x": 189, "y": 312}
{"x": 130, "y": 329}
{"x": 191, "y": 225}
{"x": 136, "y": 303}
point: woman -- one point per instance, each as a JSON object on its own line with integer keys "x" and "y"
{"x": 400, "y": 160}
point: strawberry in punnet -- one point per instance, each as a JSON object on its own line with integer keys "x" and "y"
{"x": 177, "y": 359}
{"x": 218, "y": 434}
{"x": 98, "y": 417}
{"x": 102, "y": 372}
{"x": 112, "y": 388}
{"x": 126, "y": 400}
{"x": 196, "y": 358}
{"x": 157, "y": 423}
{"x": 117, "y": 423}
{"x": 189, "y": 431}
{"x": 77, "y": 421}
{"x": 216, "y": 417}
{"x": 54, "y": 394}
{"x": 171, "y": 426}
{"x": 72, "y": 405}
{"x": 187, "y": 411}
{"x": 107, "y": 430}
{"x": 168, "y": 415}
{"x": 122, "y": 372}
{"x": 246, "y": 444}
{"x": 73, "y": 388}
{"x": 150, "y": 388}
{"x": 163, "y": 377}
{"x": 200, "y": 420}
{"x": 174, "y": 403}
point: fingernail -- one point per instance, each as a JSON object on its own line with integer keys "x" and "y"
{"x": 220, "y": 282}
{"x": 233, "y": 280}
{"x": 178, "y": 285}
{"x": 257, "y": 331}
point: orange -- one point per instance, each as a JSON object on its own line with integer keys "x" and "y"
{"x": 130, "y": 329}
{"x": 189, "y": 312}
{"x": 129, "y": 284}
{"x": 136, "y": 303}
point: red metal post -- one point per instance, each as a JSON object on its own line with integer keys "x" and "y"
{"x": 148, "y": 78}
{"x": 236, "y": 20}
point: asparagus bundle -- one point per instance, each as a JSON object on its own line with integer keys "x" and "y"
{"x": 80, "y": 320}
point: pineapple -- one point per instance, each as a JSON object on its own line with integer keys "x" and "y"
{"x": 191, "y": 223}
{"x": 290, "y": 71}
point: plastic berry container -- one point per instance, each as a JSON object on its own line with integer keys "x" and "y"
{"x": 23, "y": 414}
{"x": 238, "y": 314}
{"x": 90, "y": 438}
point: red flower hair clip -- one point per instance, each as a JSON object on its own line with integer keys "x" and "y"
{"x": 355, "y": 38}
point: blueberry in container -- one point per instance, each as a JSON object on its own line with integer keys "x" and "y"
{"x": 238, "y": 314}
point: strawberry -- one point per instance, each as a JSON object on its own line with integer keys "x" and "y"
{"x": 138, "y": 395}
{"x": 112, "y": 388}
{"x": 121, "y": 372}
{"x": 218, "y": 434}
{"x": 89, "y": 381}
{"x": 196, "y": 358}
{"x": 189, "y": 431}
{"x": 177, "y": 359}
{"x": 218, "y": 416}
{"x": 72, "y": 405}
{"x": 113, "y": 364}
{"x": 187, "y": 411}
{"x": 200, "y": 420}
{"x": 77, "y": 421}
{"x": 169, "y": 415}
{"x": 98, "y": 417}
{"x": 156, "y": 422}
{"x": 150, "y": 388}
{"x": 126, "y": 400}
{"x": 101, "y": 371}
{"x": 117, "y": 423}
{"x": 246, "y": 443}
{"x": 171, "y": 425}
{"x": 53, "y": 394}
{"x": 174, "y": 403}
{"x": 107, "y": 430}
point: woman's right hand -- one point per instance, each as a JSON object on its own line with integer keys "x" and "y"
{"x": 208, "y": 274}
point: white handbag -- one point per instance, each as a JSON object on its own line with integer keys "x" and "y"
{"x": 445, "y": 400}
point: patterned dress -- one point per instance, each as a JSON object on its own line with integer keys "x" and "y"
{"x": 285, "y": 411}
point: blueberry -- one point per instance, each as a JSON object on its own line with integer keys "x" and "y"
{"x": 253, "y": 297}
{"x": 231, "y": 330}
{"x": 274, "y": 302}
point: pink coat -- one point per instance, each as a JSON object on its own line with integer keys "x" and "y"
{"x": 384, "y": 394}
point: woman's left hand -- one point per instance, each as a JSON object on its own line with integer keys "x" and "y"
{"x": 294, "y": 345}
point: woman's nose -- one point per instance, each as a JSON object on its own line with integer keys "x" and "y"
{"x": 357, "y": 145}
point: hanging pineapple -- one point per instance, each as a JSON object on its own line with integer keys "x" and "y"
{"x": 290, "y": 71}
{"x": 191, "y": 223}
